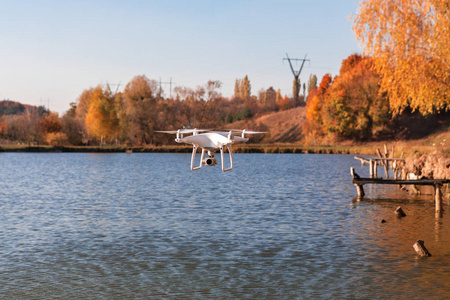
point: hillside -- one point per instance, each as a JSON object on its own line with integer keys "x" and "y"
{"x": 282, "y": 127}
{"x": 8, "y": 107}
{"x": 286, "y": 127}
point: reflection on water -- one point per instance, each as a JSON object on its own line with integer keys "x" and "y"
{"x": 108, "y": 226}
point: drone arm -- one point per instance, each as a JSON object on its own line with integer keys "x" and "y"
{"x": 231, "y": 158}
{"x": 194, "y": 151}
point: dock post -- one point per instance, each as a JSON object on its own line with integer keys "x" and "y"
{"x": 438, "y": 198}
{"x": 371, "y": 168}
{"x": 419, "y": 246}
{"x": 360, "y": 191}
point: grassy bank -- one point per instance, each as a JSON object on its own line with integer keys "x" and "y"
{"x": 365, "y": 149}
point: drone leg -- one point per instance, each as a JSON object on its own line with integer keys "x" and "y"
{"x": 194, "y": 151}
{"x": 231, "y": 158}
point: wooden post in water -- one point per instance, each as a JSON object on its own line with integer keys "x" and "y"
{"x": 399, "y": 212}
{"x": 383, "y": 162}
{"x": 360, "y": 191}
{"x": 371, "y": 168}
{"x": 419, "y": 246}
{"x": 359, "y": 187}
{"x": 438, "y": 198}
{"x": 415, "y": 190}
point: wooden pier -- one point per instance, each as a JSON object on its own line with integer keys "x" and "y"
{"x": 386, "y": 160}
{"x": 436, "y": 183}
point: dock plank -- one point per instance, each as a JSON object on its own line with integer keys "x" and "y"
{"x": 400, "y": 181}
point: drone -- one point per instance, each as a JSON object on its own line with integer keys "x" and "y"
{"x": 211, "y": 141}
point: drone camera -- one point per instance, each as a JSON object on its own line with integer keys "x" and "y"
{"x": 210, "y": 161}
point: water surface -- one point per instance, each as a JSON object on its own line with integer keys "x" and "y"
{"x": 278, "y": 226}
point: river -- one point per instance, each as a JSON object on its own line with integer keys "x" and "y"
{"x": 278, "y": 226}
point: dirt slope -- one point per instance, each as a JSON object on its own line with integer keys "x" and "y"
{"x": 282, "y": 127}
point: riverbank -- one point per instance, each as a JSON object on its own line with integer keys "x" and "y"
{"x": 364, "y": 149}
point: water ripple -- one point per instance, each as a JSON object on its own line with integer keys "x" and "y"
{"x": 116, "y": 226}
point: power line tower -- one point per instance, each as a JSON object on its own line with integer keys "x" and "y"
{"x": 108, "y": 86}
{"x": 160, "y": 86}
{"x": 296, "y": 89}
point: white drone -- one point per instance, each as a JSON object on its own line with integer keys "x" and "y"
{"x": 210, "y": 141}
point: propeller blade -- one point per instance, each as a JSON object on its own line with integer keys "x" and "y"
{"x": 167, "y": 131}
{"x": 182, "y": 131}
{"x": 192, "y": 130}
{"x": 254, "y": 132}
{"x": 246, "y": 131}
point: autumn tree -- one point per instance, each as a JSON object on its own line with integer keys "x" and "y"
{"x": 352, "y": 107}
{"x": 313, "y": 128}
{"x": 51, "y": 126}
{"x": 24, "y": 127}
{"x": 284, "y": 103}
{"x": 243, "y": 88}
{"x": 410, "y": 44}
{"x": 3, "y": 128}
{"x": 71, "y": 126}
{"x": 50, "y": 123}
{"x": 101, "y": 118}
{"x": 140, "y": 105}
{"x": 193, "y": 104}
{"x": 278, "y": 96}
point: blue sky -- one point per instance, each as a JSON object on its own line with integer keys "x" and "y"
{"x": 53, "y": 50}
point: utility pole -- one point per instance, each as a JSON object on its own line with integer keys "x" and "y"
{"x": 296, "y": 89}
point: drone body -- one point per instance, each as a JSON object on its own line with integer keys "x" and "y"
{"x": 210, "y": 141}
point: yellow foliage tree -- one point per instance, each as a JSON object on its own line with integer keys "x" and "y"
{"x": 410, "y": 44}
{"x": 101, "y": 119}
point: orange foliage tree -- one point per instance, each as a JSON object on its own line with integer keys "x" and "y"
{"x": 348, "y": 107}
{"x": 50, "y": 123}
{"x": 101, "y": 118}
{"x": 284, "y": 103}
{"x": 313, "y": 128}
{"x": 410, "y": 44}
{"x": 3, "y": 128}
{"x": 354, "y": 105}
{"x": 51, "y": 126}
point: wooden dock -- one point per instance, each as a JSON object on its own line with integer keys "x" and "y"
{"x": 373, "y": 163}
{"x": 386, "y": 160}
{"x": 436, "y": 183}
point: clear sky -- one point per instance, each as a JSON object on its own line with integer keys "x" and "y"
{"x": 53, "y": 50}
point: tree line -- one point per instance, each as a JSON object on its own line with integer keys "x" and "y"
{"x": 100, "y": 117}
{"x": 401, "y": 80}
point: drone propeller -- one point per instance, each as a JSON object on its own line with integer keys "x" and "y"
{"x": 246, "y": 131}
{"x": 182, "y": 131}
{"x": 252, "y": 132}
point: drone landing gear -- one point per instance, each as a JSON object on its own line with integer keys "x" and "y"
{"x": 194, "y": 151}
{"x": 211, "y": 160}
{"x": 231, "y": 158}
